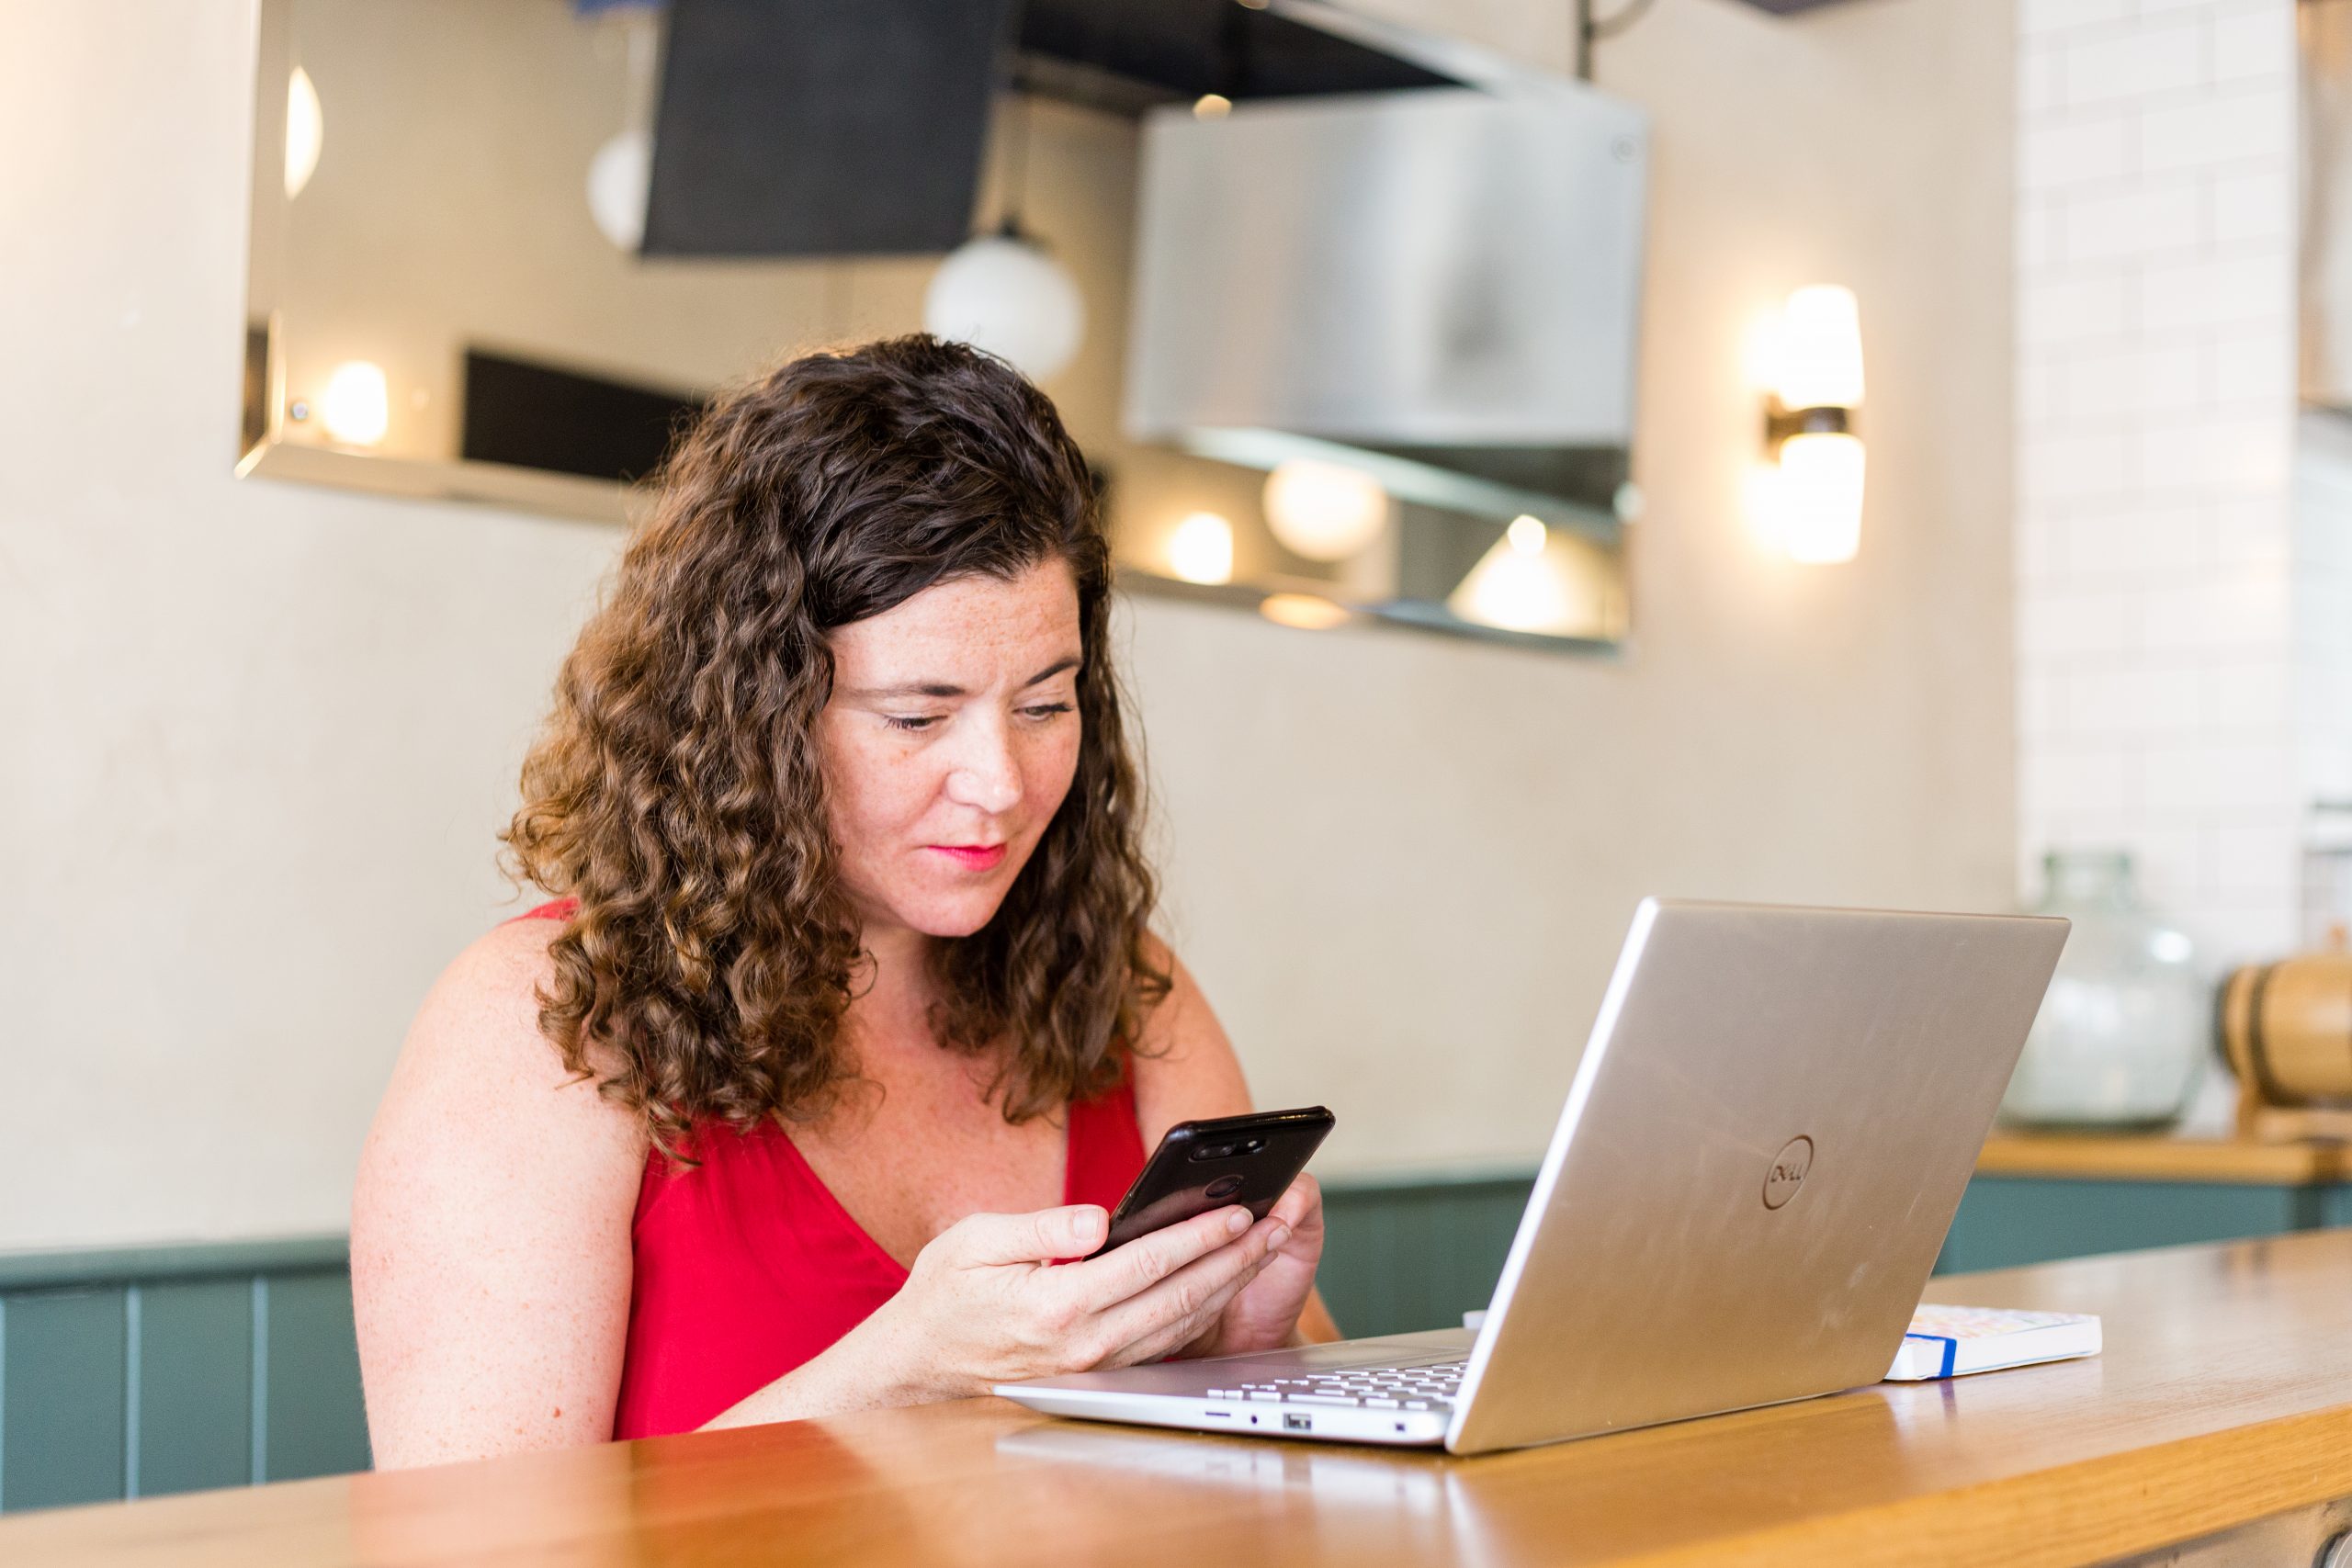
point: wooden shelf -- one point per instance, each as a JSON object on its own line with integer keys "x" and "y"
{"x": 2089, "y": 1157}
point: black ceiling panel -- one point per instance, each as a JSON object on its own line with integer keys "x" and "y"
{"x": 821, "y": 127}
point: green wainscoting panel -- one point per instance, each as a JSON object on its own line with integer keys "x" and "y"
{"x": 315, "y": 1421}
{"x": 196, "y": 1380}
{"x": 1406, "y": 1254}
{"x": 135, "y": 1372}
{"x": 2004, "y": 1221}
{"x": 62, "y": 1406}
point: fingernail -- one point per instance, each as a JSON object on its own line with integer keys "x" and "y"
{"x": 1276, "y": 1236}
{"x": 1081, "y": 1225}
{"x": 1237, "y": 1221}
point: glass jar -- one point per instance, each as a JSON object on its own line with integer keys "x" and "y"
{"x": 2122, "y": 1036}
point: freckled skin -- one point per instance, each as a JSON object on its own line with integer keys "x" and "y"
{"x": 490, "y": 1245}
{"x": 990, "y": 766}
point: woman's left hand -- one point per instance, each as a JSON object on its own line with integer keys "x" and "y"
{"x": 1264, "y": 1314}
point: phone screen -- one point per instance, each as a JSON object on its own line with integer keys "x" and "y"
{"x": 1200, "y": 1165}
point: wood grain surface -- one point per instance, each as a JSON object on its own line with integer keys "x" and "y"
{"x": 2224, "y": 1395}
{"x": 2127, "y": 1158}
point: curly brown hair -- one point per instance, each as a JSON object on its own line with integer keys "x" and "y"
{"x": 675, "y": 792}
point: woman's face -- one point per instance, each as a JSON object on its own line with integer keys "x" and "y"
{"x": 950, "y": 739}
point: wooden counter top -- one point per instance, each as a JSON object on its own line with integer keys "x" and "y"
{"x": 2092, "y": 1157}
{"x": 2224, "y": 1395}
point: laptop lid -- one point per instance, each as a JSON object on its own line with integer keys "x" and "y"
{"x": 1762, "y": 1150}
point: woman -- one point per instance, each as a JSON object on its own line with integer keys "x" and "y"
{"x": 846, "y": 1023}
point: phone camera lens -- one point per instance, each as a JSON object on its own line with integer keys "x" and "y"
{"x": 1215, "y": 1151}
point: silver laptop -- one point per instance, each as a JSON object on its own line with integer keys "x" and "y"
{"x": 1762, "y": 1148}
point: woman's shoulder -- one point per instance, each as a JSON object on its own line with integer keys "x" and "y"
{"x": 487, "y": 999}
{"x": 1183, "y": 1066}
{"x": 477, "y": 1067}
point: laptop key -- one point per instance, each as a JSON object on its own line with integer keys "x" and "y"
{"x": 1325, "y": 1399}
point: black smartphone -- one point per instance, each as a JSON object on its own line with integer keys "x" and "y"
{"x": 1201, "y": 1165}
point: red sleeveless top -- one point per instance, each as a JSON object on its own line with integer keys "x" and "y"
{"x": 747, "y": 1265}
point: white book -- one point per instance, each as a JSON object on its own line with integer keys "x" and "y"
{"x": 1952, "y": 1341}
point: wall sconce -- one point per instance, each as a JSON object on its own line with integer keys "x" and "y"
{"x": 1814, "y": 495}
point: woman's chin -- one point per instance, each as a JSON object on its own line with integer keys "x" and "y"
{"x": 952, "y": 916}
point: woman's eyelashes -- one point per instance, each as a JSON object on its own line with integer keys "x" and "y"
{"x": 915, "y": 723}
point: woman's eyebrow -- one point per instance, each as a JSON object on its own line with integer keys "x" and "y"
{"x": 1050, "y": 670}
{"x": 948, "y": 689}
{"x": 907, "y": 689}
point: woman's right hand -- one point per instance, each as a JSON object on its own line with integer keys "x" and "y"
{"x": 986, "y": 1302}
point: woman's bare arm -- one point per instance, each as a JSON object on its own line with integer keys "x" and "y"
{"x": 490, "y": 1255}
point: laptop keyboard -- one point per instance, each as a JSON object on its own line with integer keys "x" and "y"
{"x": 1429, "y": 1387}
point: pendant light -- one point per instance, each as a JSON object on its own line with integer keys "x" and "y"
{"x": 1003, "y": 293}
{"x": 620, "y": 175}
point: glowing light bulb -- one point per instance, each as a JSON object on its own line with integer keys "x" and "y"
{"x": 306, "y": 131}
{"x": 1526, "y": 534}
{"x": 357, "y": 405}
{"x": 1201, "y": 550}
{"x": 1325, "y": 512}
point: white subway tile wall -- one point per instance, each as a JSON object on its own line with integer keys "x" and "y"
{"x": 2322, "y": 616}
{"x": 2160, "y": 584}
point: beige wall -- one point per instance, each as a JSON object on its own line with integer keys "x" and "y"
{"x": 253, "y": 739}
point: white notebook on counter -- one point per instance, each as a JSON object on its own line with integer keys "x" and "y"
{"x": 1952, "y": 1341}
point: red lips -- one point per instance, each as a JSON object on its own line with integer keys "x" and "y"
{"x": 972, "y": 857}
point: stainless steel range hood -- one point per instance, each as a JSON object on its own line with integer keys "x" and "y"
{"x": 1440, "y": 287}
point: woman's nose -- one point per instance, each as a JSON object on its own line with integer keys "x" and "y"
{"x": 986, "y": 776}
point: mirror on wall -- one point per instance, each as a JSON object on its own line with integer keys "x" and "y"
{"x": 1281, "y": 270}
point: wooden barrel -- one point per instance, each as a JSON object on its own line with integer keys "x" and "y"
{"x": 2287, "y": 1029}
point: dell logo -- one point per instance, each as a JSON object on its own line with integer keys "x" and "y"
{"x": 1781, "y": 1183}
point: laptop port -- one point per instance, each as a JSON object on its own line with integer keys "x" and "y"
{"x": 1294, "y": 1422}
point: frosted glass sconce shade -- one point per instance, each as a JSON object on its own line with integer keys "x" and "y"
{"x": 1820, "y": 498}
{"x": 1820, "y": 350}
